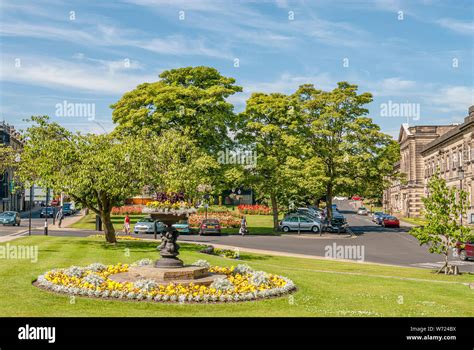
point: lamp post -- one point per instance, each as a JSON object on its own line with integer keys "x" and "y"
{"x": 461, "y": 177}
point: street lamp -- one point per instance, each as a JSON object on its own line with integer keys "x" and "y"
{"x": 461, "y": 177}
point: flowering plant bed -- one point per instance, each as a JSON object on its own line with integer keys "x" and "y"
{"x": 225, "y": 253}
{"x": 225, "y": 219}
{"x": 127, "y": 210}
{"x": 119, "y": 237}
{"x": 240, "y": 283}
{"x": 167, "y": 207}
{"x": 254, "y": 209}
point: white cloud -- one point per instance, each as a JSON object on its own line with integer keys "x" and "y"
{"x": 83, "y": 76}
{"x": 453, "y": 98}
{"x": 457, "y": 26}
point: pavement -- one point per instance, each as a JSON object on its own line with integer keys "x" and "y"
{"x": 375, "y": 244}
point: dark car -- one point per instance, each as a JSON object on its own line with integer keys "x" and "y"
{"x": 210, "y": 226}
{"x": 10, "y": 218}
{"x": 465, "y": 250}
{"x": 47, "y": 212}
{"x": 68, "y": 209}
{"x": 380, "y": 218}
{"x": 338, "y": 223}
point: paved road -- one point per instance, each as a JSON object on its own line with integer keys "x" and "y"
{"x": 380, "y": 245}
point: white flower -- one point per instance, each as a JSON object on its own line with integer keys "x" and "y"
{"x": 74, "y": 271}
{"x": 242, "y": 269}
{"x": 143, "y": 262}
{"x": 222, "y": 284}
{"x": 146, "y": 285}
{"x": 96, "y": 267}
{"x": 259, "y": 278}
{"x": 94, "y": 279}
{"x": 202, "y": 263}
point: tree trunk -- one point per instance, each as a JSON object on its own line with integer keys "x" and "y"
{"x": 275, "y": 211}
{"x": 108, "y": 227}
{"x": 329, "y": 201}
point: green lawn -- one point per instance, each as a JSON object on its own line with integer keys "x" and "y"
{"x": 258, "y": 224}
{"x": 325, "y": 288}
{"x": 88, "y": 222}
{"x": 415, "y": 221}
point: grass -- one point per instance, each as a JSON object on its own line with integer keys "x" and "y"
{"x": 325, "y": 288}
{"x": 257, "y": 224}
{"x": 415, "y": 221}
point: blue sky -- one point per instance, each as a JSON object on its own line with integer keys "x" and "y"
{"x": 92, "y": 52}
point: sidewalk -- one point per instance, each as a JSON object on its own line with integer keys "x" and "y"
{"x": 67, "y": 221}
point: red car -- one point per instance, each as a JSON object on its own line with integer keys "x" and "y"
{"x": 465, "y": 250}
{"x": 210, "y": 226}
{"x": 390, "y": 221}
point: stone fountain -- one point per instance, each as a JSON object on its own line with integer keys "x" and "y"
{"x": 169, "y": 268}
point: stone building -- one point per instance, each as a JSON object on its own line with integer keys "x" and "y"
{"x": 10, "y": 200}
{"x": 448, "y": 148}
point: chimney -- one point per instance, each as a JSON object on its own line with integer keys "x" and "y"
{"x": 470, "y": 116}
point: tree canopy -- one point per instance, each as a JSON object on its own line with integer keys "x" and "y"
{"x": 190, "y": 100}
{"x": 102, "y": 171}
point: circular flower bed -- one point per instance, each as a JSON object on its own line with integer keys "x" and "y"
{"x": 241, "y": 283}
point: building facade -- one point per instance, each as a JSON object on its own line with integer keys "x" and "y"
{"x": 10, "y": 197}
{"x": 448, "y": 148}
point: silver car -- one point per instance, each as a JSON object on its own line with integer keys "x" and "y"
{"x": 146, "y": 225}
{"x": 362, "y": 211}
{"x": 301, "y": 223}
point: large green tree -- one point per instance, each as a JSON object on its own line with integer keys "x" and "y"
{"x": 348, "y": 144}
{"x": 191, "y": 100}
{"x": 270, "y": 124}
{"x": 7, "y": 156}
{"x": 444, "y": 207}
{"x": 101, "y": 171}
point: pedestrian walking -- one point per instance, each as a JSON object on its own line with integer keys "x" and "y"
{"x": 60, "y": 217}
{"x": 126, "y": 224}
{"x": 243, "y": 226}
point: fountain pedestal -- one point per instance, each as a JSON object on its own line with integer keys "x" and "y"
{"x": 169, "y": 249}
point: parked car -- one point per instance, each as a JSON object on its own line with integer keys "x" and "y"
{"x": 362, "y": 211}
{"x": 182, "y": 226}
{"x": 465, "y": 250}
{"x": 146, "y": 225}
{"x": 300, "y": 222}
{"x": 390, "y": 221}
{"x": 47, "y": 212}
{"x": 376, "y": 214}
{"x": 210, "y": 226}
{"x": 55, "y": 202}
{"x": 379, "y": 219}
{"x": 10, "y": 218}
{"x": 310, "y": 212}
{"x": 338, "y": 223}
{"x": 68, "y": 209}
